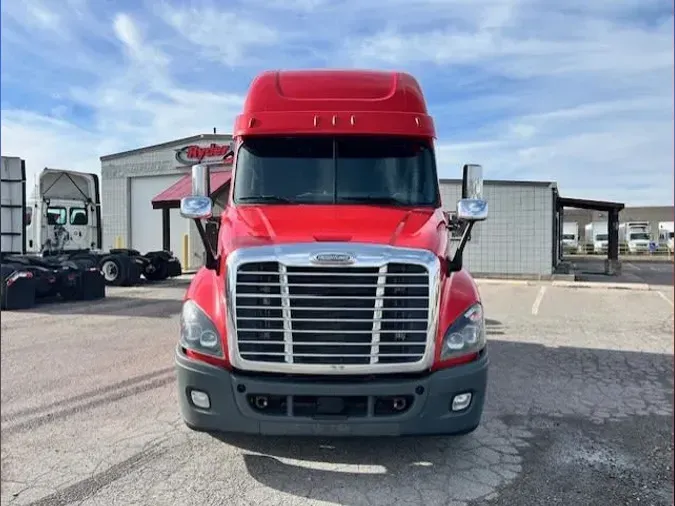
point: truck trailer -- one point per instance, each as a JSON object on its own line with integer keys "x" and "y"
{"x": 570, "y": 237}
{"x": 332, "y": 301}
{"x": 56, "y": 237}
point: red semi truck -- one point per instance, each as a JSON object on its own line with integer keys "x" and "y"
{"x": 331, "y": 301}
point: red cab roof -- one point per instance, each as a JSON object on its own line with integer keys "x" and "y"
{"x": 335, "y": 102}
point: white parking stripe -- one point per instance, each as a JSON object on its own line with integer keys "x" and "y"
{"x": 663, "y": 296}
{"x": 537, "y": 301}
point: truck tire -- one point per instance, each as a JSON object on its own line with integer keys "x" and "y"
{"x": 115, "y": 269}
{"x": 135, "y": 270}
{"x": 160, "y": 271}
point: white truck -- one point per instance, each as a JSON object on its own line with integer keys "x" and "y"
{"x": 666, "y": 232}
{"x": 635, "y": 236}
{"x": 570, "y": 237}
{"x": 59, "y": 227}
{"x": 595, "y": 233}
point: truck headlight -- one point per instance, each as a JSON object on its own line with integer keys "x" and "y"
{"x": 197, "y": 331}
{"x": 466, "y": 334}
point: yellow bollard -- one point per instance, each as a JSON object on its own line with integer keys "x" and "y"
{"x": 118, "y": 241}
{"x": 186, "y": 251}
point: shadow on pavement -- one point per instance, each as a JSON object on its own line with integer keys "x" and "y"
{"x": 112, "y": 305}
{"x": 652, "y": 272}
{"x": 534, "y": 392}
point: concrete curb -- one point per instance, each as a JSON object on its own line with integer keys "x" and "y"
{"x": 493, "y": 281}
{"x": 644, "y": 287}
{"x": 605, "y": 286}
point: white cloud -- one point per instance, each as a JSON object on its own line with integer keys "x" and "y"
{"x": 576, "y": 92}
{"x": 219, "y": 35}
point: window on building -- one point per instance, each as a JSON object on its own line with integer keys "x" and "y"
{"x": 56, "y": 215}
{"x": 78, "y": 216}
{"x": 29, "y": 216}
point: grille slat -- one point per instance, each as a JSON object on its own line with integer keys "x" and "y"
{"x": 332, "y": 315}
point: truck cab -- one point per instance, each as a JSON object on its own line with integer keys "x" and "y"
{"x": 332, "y": 301}
{"x": 64, "y": 213}
{"x": 666, "y": 235}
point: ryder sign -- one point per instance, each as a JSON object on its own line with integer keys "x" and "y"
{"x": 215, "y": 153}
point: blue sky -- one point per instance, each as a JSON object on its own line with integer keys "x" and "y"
{"x": 575, "y": 91}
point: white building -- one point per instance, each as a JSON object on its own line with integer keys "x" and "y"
{"x": 141, "y": 190}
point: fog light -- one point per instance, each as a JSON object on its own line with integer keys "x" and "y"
{"x": 461, "y": 401}
{"x": 200, "y": 399}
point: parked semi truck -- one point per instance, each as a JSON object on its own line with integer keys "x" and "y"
{"x": 60, "y": 225}
{"x": 570, "y": 237}
{"x": 666, "y": 229}
{"x": 332, "y": 301}
{"x": 595, "y": 234}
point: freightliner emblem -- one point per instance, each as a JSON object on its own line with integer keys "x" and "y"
{"x": 333, "y": 259}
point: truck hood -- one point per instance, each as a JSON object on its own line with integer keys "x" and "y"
{"x": 275, "y": 224}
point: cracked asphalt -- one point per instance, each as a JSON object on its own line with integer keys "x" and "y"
{"x": 579, "y": 411}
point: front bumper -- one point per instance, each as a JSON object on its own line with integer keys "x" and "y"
{"x": 233, "y": 409}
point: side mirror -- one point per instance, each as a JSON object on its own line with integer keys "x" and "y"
{"x": 198, "y": 205}
{"x": 472, "y": 206}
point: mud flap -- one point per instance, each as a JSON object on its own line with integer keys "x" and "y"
{"x": 174, "y": 268}
{"x": 93, "y": 285}
{"x": 17, "y": 292}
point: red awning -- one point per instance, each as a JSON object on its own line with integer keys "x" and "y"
{"x": 170, "y": 198}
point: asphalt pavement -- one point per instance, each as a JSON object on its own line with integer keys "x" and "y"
{"x": 652, "y": 272}
{"x": 579, "y": 411}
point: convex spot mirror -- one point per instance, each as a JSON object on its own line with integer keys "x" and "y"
{"x": 472, "y": 206}
{"x": 196, "y": 207}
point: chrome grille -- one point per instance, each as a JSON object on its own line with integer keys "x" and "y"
{"x": 332, "y": 316}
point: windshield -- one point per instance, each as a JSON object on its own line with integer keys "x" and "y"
{"x": 336, "y": 170}
{"x": 601, "y": 237}
{"x": 639, "y": 237}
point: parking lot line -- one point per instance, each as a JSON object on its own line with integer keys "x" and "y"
{"x": 537, "y": 301}
{"x": 663, "y": 296}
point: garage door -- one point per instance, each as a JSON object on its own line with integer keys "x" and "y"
{"x": 146, "y": 222}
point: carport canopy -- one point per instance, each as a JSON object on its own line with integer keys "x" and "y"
{"x": 170, "y": 198}
{"x": 612, "y": 209}
{"x": 593, "y": 205}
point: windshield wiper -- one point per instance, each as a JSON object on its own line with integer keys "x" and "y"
{"x": 265, "y": 198}
{"x": 390, "y": 201}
